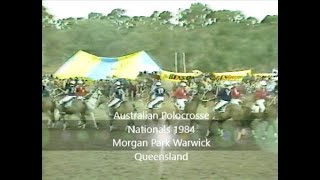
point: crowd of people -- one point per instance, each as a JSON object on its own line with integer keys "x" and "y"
{"x": 226, "y": 91}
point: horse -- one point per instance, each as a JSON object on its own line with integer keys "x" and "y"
{"x": 242, "y": 116}
{"x": 122, "y": 109}
{"x": 49, "y": 106}
{"x": 81, "y": 108}
{"x": 133, "y": 88}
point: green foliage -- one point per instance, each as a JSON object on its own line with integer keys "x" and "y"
{"x": 213, "y": 41}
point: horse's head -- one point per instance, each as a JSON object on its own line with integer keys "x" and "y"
{"x": 206, "y": 96}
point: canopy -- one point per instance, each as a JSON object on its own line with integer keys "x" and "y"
{"x": 92, "y": 67}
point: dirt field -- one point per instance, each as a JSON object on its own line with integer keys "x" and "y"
{"x": 88, "y": 154}
{"x": 96, "y": 165}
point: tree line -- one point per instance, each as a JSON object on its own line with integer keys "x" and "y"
{"x": 213, "y": 41}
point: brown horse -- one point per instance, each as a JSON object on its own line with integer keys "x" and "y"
{"x": 81, "y": 108}
{"x": 242, "y": 116}
{"x": 48, "y": 107}
{"x": 124, "y": 110}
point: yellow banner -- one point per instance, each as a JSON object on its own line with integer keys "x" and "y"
{"x": 176, "y": 77}
{"x": 262, "y": 75}
{"x": 232, "y": 76}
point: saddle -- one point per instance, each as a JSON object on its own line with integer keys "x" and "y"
{"x": 81, "y": 98}
{"x": 255, "y": 108}
{"x": 158, "y": 105}
{"x": 68, "y": 103}
{"x": 116, "y": 106}
{"x": 177, "y": 105}
{"x": 223, "y": 108}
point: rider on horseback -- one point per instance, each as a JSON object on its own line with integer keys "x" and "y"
{"x": 181, "y": 96}
{"x": 80, "y": 89}
{"x": 45, "y": 91}
{"x": 224, "y": 96}
{"x": 118, "y": 96}
{"x": 235, "y": 95}
{"x": 158, "y": 92}
{"x": 261, "y": 95}
{"x": 71, "y": 93}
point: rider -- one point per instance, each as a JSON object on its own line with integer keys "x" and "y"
{"x": 71, "y": 90}
{"x": 80, "y": 90}
{"x": 117, "y": 96}
{"x": 45, "y": 91}
{"x": 193, "y": 85}
{"x": 224, "y": 96}
{"x": 152, "y": 89}
{"x": 235, "y": 95}
{"x": 261, "y": 95}
{"x": 181, "y": 96}
{"x": 159, "y": 95}
{"x": 271, "y": 84}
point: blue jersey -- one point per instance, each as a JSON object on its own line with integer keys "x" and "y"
{"x": 224, "y": 94}
{"x": 71, "y": 91}
{"x": 119, "y": 93}
{"x": 159, "y": 91}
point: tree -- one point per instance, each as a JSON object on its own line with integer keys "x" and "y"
{"x": 270, "y": 19}
{"x": 47, "y": 18}
{"x": 196, "y": 15}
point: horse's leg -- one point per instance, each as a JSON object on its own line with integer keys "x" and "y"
{"x": 94, "y": 120}
{"x": 210, "y": 122}
{"x": 220, "y": 127}
{"x": 53, "y": 121}
{"x": 274, "y": 127}
{"x": 130, "y": 123}
{"x": 55, "y": 116}
{"x": 192, "y": 122}
{"x": 64, "y": 122}
{"x": 83, "y": 119}
{"x": 111, "y": 124}
{"x": 49, "y": 118}
{"x": 240, "y": 129}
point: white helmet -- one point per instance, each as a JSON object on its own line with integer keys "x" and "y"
{"x": 80, "y": 82}
{"x": 72, "y": 82}
{"x": 117, "y": 83}
{"x": 227, "y": 83}
{"x": 183, "y": 84}
{"x": 263, "y": 83}
{"x": 158, "y": 83}
{"x": 230, "y": 87}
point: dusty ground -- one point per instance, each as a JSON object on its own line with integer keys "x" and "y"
{"x": 96, "y": 165}
{"x": 88, "y": 155}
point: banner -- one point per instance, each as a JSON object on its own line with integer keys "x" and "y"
{"x": 232, "y": 76}
{"x": 262, "y": 75}
{"x": 176, "y": 77}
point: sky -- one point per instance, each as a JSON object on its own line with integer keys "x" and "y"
{"x": 73, "y": 8}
